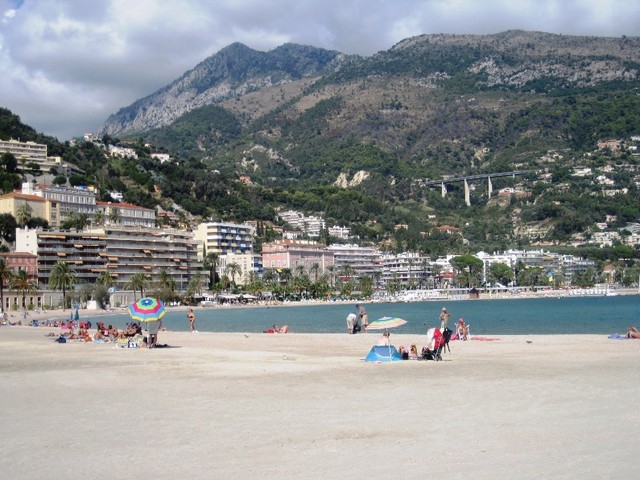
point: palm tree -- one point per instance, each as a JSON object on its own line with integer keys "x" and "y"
{"x": 105, "y": 278}
{"x": 62, "y": 277}
{"x": 165, "y": 280}
{"x": 5, "y": 276}
{"x": 138, "y": 282}
{"x": 23, "y": 214}
{"x": 211, "y": 260}
{"x": 22, "y": 284}
{"x": 315, "y": 268}
{"x": 114, "y": 215}
{"x": 232, "y": 269}
{"x": 98, "y": 218}
{"x": 269, "y": 276}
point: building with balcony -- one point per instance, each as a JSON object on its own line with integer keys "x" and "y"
{"x": 126, "y": 214}
{"x": 25, "y": 151}
{"x": 296, "y": 253}
{"x": 224, "y": 238}
{"x": 408, "y": 270}
{"x": 364, "y": 261}
{"x": 120, "y": 251}
{"x": 64, "y": 201}
{"x": 14, "y": 202}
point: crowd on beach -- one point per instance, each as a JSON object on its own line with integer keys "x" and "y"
{"x": 131, "y": 336}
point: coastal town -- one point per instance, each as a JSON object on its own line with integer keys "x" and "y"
{"x": 125, "y": 248}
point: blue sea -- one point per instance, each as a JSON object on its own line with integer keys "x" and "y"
{"x": 535, "y": 316}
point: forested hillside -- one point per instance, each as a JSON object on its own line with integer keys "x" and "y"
{"x": 351, "y": 138}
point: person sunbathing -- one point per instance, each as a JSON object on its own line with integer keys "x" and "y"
{"x": 384, "y": 340}
{"x": 462, "y": 330}
{"x": 413, "y": 352}
{"x": 284, "y": 329}
{"x": 633, "y": 333}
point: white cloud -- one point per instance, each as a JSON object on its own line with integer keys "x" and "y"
{"x": 68, "y": 64}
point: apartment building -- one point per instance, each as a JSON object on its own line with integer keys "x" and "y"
{"x": 126, "y": 214}
{"x": 310, "y": 225}
{"x": 13, "y": 202}
{"x": 224, "y": 238}
{"x": 63, "y": 201}
{"x": 364, "y": 261}
{"x": 296, "y": 253}
{"x": 406, "y": 269}
{"x": 121, "y": 251}
{"x": 31, "y": 152}
{"x": 25, "y": 151}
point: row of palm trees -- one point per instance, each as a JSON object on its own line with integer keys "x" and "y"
{"x": 62, "y": 278}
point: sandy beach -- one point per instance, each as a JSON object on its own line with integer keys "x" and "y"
{"x": 258, "y": 406}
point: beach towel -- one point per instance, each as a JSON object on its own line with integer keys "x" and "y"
{"x": 484, "y": 339}
{"x": 617, "y": 336}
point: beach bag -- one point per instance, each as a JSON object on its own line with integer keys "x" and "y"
{"x": 61, "y": 340}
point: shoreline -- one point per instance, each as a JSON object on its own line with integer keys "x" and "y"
{"x": 63, "y": 315}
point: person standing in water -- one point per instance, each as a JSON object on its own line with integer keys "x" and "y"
{"x": 192, "y": 320}
{"x": 364, "y": 318}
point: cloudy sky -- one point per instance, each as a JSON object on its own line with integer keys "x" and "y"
{"x": 66, "y": 65}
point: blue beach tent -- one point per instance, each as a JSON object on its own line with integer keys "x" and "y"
{"x": 383, "y": 354}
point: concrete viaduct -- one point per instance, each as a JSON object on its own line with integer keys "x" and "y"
{"x": 467, "y": 195}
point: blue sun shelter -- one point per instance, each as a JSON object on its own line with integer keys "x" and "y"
{"x": 384, "y": 353}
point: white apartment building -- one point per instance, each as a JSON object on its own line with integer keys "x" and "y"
{"x": 364, "y": 261}
{"x": 224, "y": 238}
{"x": 124, "y": 152}
{"x": 27, "y": 151}
{"x": 63, "y": 201}
{"x": 249, "y": 264}
{"x": 311, "y": 225}
{"x": 407, "y": 269}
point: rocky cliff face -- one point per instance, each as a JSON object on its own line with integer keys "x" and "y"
{"x": 233, "y": 72}
{"x": 259, "y": 82}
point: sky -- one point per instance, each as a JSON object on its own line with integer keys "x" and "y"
{"x": 66, "y": 65}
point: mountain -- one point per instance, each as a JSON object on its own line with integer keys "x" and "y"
{"x": 232, "y": 72}
{"x": 428, "y": 106}
{"x": 354, "y": 139}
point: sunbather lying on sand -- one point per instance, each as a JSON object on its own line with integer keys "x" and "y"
{"x": 633, "y": 333}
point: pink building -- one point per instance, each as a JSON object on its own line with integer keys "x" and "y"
{"x": 293, "y": 253}
{"x": 22, "y": 261}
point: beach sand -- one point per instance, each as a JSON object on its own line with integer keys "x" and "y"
{"x": 258, "y": 406}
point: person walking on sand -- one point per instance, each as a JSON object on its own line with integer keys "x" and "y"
{"x": 364, "y": 318}
{"x": 192, "y": 320}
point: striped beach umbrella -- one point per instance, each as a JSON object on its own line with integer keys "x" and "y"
{"x": 386, "y": 322}
{"x": 147, "y": 310}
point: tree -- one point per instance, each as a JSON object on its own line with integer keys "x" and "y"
{"x": 469, "y": 268}
{"x": 22, "y": 284}
{"x": 8, "y": 226}
{"x": 114, "y": 216}
{"x": 62, "y": 277}
{"x": 211, "y": 262}
{"x": 23, "y": 214}
{"x": 6, "y": 275}
{"x": 9, "y": 162}
{"x": 232, "y": 269}
{"x": 165, "y": 280}
{"x": 98, "y": 218}
{"x": 501, "y": 272}
{"x": 315, "y": 268}
{"x": 105, "y": 278}
{"x": 138, "y": 282}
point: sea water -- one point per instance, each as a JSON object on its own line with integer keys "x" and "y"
{"x": 534, "y": 316}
